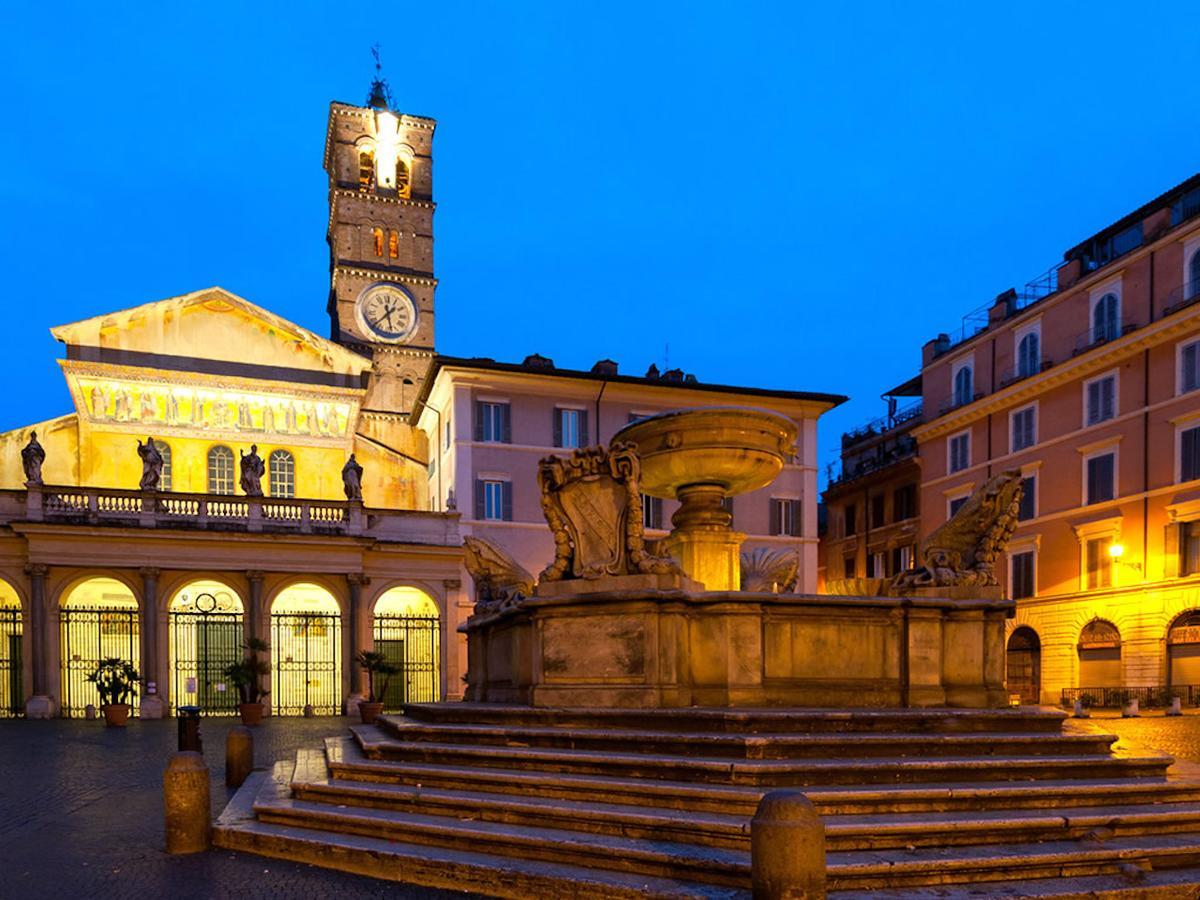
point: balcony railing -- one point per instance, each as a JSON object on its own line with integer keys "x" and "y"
{"x": 111, "y": 506}
{"x": 1015, "y": 373}
{"x": 1095, "y": 337}
{"x": 1182, "y": 297}
{"x": 884, "y": 424}
{"x": 904, "y": 447}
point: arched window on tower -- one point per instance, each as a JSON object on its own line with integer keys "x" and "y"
{"x": 164, "y": 479}
{"x": 377, "y": 236}
{"x": 366, "y": 170}
{"x": 220, "y": 470}
{"x": 402, "y": 178}
{"x": 281, "y": 474}
{"x": 394, "y": 244}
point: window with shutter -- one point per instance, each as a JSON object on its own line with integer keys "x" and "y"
{"x": 1024, "y": 429}
{"x": 1022, "y": 575}
{"x": 851, "y": 520}
{"x": 956, "y": 504}
{"x": 1189, "y": 454}
{"x": 1101, "y": 399}
{"x": 1028, "y": 508}
{"x": 652, "y": 512}
{"x": 492, "y": 422}
{"x": 963, "y": 386}
{"x": 960, "y": 452}
{"x": 1189, "y": 364}
{"x": 1099, "y": 562}
{"x": 496, "y": 500}
{"x": 1100, "y": 478}
{"x": 1189, "y": 548}
{"x": 877, "y": 511}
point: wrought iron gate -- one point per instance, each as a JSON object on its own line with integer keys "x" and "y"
{"x": 12, "y": 690}
{"x": 88, "y": 636}
{"x": 202, "y": 645}
{"x": 414, "y": 644}
{"x": 307, "y": 670}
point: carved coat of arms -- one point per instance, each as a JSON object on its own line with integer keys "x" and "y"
{"x": 593, "y": 503}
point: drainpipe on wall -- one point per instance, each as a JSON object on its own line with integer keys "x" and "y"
{"x": 437, "y": 448}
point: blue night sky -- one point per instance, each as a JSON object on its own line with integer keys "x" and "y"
{"x": 783, "y": 196}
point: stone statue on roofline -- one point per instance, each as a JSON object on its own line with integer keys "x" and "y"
{"x": 32, "y": 457}
{"x": 152, "y": 465}
{"x": 963, "y": 551}
{"x": 352, "y": 479}
{"x": 252, "y": 472}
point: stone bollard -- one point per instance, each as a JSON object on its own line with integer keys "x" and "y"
{"x": 186, "y": 803}
{"x": 89, "y": 712}
{"x": 309, "y": 712}
{"x": 1131, "y": 710}
{"x": 239, "y": 755}
{"x": 1080, "y": 712}
{"x": 1176, "y": 707}
{"x": 787, "y": 848}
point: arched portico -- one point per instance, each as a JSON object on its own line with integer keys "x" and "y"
{"x": 407, "y": 630}
{"x": 206, "y": 636}
{"x": 306, "y": 650}
{"x": 98, "y": 619}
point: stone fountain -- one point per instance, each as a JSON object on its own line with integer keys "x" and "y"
{"x": 610, "y": 623}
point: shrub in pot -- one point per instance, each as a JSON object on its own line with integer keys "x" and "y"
{"x": 376, "y": 665}
{"x": 116, "y": 680}
{"x": 247, "y": 676}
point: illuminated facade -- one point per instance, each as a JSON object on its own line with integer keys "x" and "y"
{"x": 1087, "y": 383}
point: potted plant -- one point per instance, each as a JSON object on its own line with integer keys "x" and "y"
{"x": 247, "y": 676}
{"x": 375, "y": 664}
{"x": 115, "y": 679}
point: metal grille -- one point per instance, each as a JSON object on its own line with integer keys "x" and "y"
{"x": 202, "y": 645}
{"x": 88, "y": 636}
{"x": 307, "y": 649}
{"x": 414, "y": 644}
{"x": 12, "y": 691}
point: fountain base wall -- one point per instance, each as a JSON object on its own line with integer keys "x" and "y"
{"x": 645, "y": 648}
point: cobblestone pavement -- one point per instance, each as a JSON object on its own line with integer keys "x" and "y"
{"x": 81, "y": 817}
{"x": 1177, "y": 735}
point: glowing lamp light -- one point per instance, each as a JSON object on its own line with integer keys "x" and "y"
{"x": 1116, "y": 551}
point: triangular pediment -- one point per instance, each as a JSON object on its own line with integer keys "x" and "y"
{"x": 211, "y": 324}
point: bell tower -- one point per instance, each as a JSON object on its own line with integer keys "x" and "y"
{"x": 381, "y": 293}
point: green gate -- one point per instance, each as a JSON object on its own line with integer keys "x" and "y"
{"x": 307, "y": 663}
{"x": 87, "y": 636}
{"x": 413, "y": 643}
{"x": 203, "y": 643}
{"x": 12, "y": 689}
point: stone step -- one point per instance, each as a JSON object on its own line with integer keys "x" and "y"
{"x": 873, "y": 770}
{"x": 763, "y": 745}
{"x": 1131, "y": 884}
{"x": 347, "y": 762}
{"x": 843, "y": 832}
{"x": 746, "y": 720}
{"x": 672, "y": 860}
{"x": 429, "y": 866}
{"x": 981, "y": 865}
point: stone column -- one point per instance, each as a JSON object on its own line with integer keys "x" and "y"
{"x": 254, "y": 609}
{"x": 454, "y": 645}
{"x": 152, "y": 704}
{"x": 358, "y": 687}
{"x": 39, "y": 705}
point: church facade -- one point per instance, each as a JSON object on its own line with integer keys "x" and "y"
{"x": 255, "y": 518}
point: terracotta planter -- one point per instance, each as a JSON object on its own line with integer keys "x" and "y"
{"x": 116, "y": 715}
{"x": 369, "y": 712}
{"x": 252, "y": 713}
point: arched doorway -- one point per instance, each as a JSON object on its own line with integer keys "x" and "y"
{"x": 1099, "y": 655}
{"x": 98, "y": 619}
{"x": 1025, "y": 664}
{"x": 12, "y": 688}
{"x": 306, "y": 651}
{"x": 1183, "y": 650}
{"x": 408, "y": 632}
{"x": 206, "y": 636}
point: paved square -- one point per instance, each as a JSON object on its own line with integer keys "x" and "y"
{"x": 81, "y": 817}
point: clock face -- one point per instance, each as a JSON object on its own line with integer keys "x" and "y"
{"x": 387, "y": 312}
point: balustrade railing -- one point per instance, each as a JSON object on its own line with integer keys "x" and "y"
{"x": 1156, "y": 696}
{"x": 47, "y": 503}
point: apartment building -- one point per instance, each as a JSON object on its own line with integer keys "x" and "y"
{"x": 1088, "y": 383}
